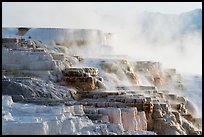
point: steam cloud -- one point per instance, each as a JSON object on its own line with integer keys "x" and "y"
{"x": 143, "y": 36}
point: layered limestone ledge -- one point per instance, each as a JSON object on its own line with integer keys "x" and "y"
{"x": 83, "y": 78}
{"x": 53, "y": 120}
{"x": 26, "y": 60}
{"x": 34, "y": 64}
{"x": 60, "y": 36}
{"x": 129, "y": 118}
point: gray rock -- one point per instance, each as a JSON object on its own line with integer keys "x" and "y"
{"x": 115, "y": 128}
{"x": 17, "y": 98}
{"x": 35, "y": 88}
{"x": 178, "y": 117}
{"x": 14, "y": 88}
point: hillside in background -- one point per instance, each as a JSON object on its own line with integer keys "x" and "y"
{"x": 170, "y": 25}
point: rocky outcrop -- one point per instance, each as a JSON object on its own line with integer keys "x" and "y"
{"x": 35, "y": 90}
{"x": 162, "y": 78}
{"x": 83, "y": 79}
{"x": 14, "y": 88}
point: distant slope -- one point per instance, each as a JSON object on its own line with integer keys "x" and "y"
{"x": 170, "y": 26}
{"x": 192, "y": 20}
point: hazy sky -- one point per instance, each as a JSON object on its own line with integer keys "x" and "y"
{"x": 15, "y": 13}
{"x": 163, "y": 7}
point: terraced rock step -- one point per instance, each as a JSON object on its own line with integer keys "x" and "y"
{"x": 136, "y": 88}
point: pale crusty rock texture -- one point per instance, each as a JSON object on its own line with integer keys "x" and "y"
{"x": 53, "y": 89}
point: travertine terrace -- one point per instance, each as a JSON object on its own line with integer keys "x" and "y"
{"x": 50, "y": 88}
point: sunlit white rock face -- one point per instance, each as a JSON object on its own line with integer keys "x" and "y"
{"x": 7, "y": 101}
{"x": 30, "y": 119}
{"x": 33, "y": 119}
{"x": 22, "y": 60}
{"x": 129, "y": 118}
